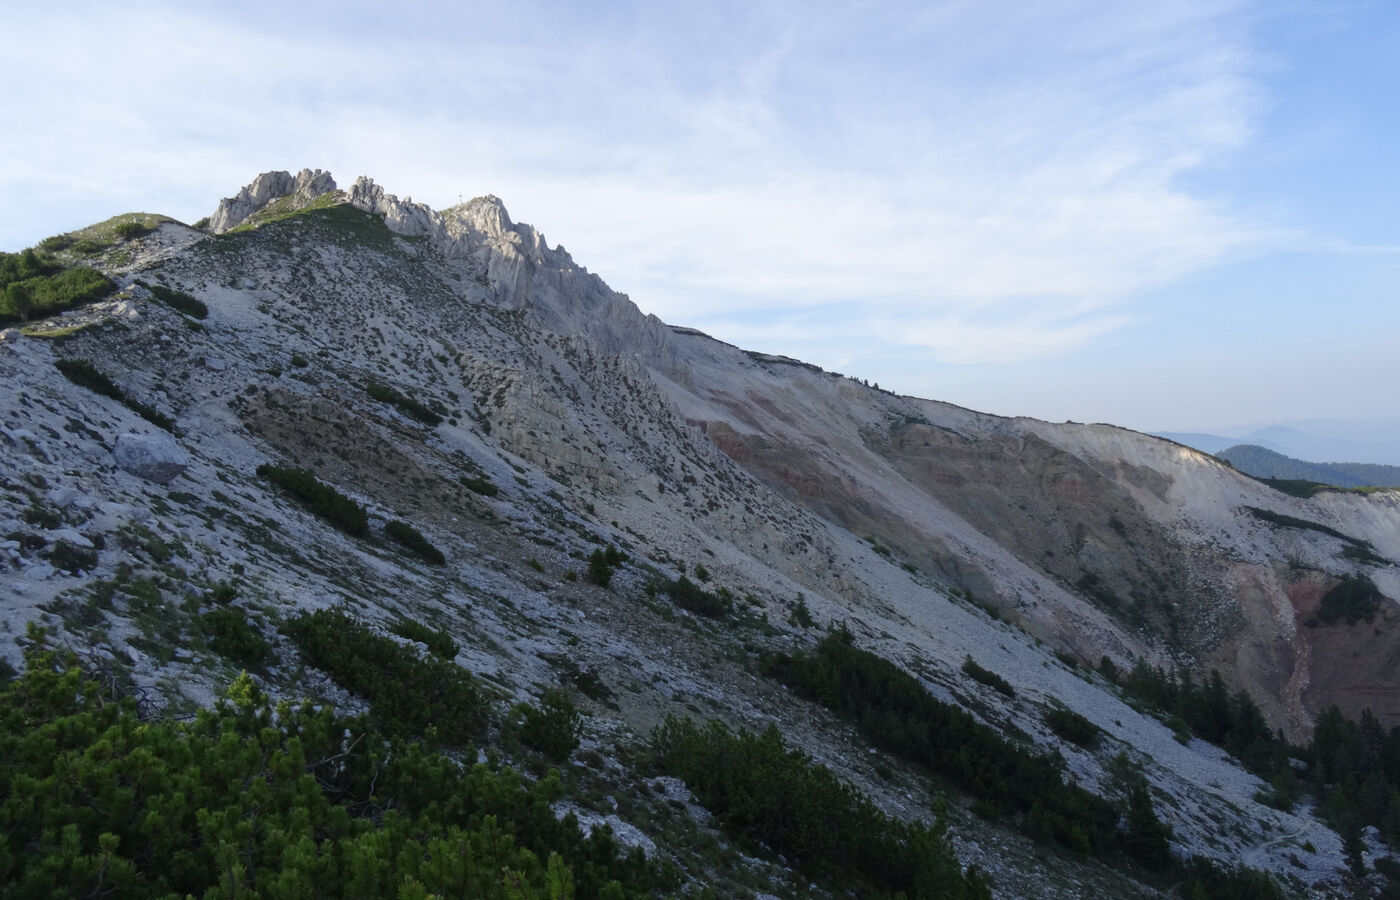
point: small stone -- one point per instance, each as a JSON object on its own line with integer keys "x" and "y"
{"x": 72, "y": 536}
{"x": 214, "y": 364}
{"x": 39, "y": 572}
{"x": 62, "y": 496}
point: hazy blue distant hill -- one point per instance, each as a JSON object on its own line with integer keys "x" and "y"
{"x": 1206, "y": 443}
{"x": 1262, "y": 462}
{"x": 1315, "y": 440}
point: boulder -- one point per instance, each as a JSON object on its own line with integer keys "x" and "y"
{"x": 154, "y": 457}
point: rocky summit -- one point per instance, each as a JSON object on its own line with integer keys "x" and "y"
{"x": 447, "y": 438}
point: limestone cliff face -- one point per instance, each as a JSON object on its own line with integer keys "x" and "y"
{"x": 267, "y": 188}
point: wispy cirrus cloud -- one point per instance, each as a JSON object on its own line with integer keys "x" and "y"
{"x": 979, "y": 179}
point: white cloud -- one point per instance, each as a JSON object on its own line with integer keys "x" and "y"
{"x": 940, "y": 163}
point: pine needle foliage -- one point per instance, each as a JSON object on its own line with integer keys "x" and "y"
{"x": 765, "y": 793}
{"x": 254, "y": 799}
{"x": 319, "y": 497}
{"x": 408, "y": 693}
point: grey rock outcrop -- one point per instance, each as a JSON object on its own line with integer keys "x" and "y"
{"x": 305, "y": 186}
{"x": 154, "y": 457}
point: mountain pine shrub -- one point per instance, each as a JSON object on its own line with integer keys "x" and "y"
{"x": 761, "y": 791}
{"x": 408, "y": 694}
{"x": 413, "y": 540}
{"x": 254, "y": 799}
{"x": 319, "y": 497}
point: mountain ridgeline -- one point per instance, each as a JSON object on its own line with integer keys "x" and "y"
{"x": 586, "y": 604}
{"x": 1262, "y": 462}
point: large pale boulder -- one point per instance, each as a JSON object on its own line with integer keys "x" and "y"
{"x": 154, "y": 457}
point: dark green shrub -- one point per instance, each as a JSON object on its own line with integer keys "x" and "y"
{"x": 801, "y": 614}
{"x": 56, "y": 243}
{"x": 603, "y": 563}
{"x": 232, "y": 636}
{"x": 987, "y": 677}
{"x": 250, "y": 799}
{"x": 1071, "y": 726}
{"x": 690, "y": 596}
{"x": 479, "y": 485}
{"x": 896, "y": 714}
{"x": 71, "y": 558}
{"x": 553, "y": 727}
{"x": 35, "y": 285}
{"x": 319, "y": 497}
{"x": 411, "y": 538}
{"x": 407, "y": 693}
{"x": 438, "y": 642}
{"x": 1354, "y": 598}
{"x": 43, "y": 516}
{"x": 407, "y": 405}
{"x": 1145, "y": 837}
{"x": 762, "y": 792}
{"x": 178, "y": 300}
{"x": 131, "y": 229}
{"x": 1208, "y": 880}
{"x": 85, "y": 374}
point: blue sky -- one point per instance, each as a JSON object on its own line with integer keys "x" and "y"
{"x": 1168, "y": 216}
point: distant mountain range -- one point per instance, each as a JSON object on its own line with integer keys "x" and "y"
{"x": 1315, "y": 440}
{"x": 1261, "y": 462}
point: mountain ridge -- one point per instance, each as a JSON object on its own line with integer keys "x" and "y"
{"x": 1262, "y": 462}
{"x": 905, "y": 520}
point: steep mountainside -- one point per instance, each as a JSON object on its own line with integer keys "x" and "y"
{"x": 451, "y": 370}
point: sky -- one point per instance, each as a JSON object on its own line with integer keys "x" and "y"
{"x": 1169, "y": 216}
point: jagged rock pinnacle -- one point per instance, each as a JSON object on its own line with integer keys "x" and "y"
{"x": 305, "y": 186}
